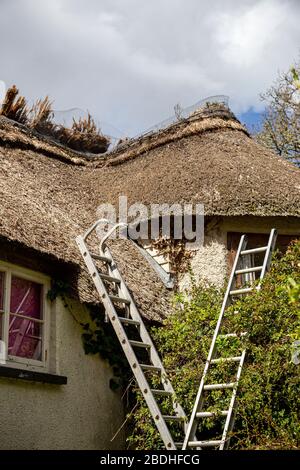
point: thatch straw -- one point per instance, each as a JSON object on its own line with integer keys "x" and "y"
{"x": 13, "y": 108}
{"x": 84, "y": 136}
{"x": 46, "y": 202}
{"x": 41, "y": 117}
{"x": 185, "y": 128}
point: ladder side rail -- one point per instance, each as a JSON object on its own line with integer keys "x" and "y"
{"x": 105, "y": 222}
{"x": 232, "y": 403}
{"x": 192, "y": 425}
{"x": 93, "y": 227}
{"x": 128, "y": 350}
{"x": 108, "y": 234}
{"x": 268, "y": 254}
{"x": 265, "y": 267}
{"x": 115, "y": 225}
{"x": 146, "y": 338}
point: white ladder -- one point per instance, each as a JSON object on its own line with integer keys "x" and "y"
{"x": 238, "y": 269}
{"x": 113, "y": 292}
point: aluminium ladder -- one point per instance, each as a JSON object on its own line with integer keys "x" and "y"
{"x": 246, "y": 271}
{"x": 115, "y": 296}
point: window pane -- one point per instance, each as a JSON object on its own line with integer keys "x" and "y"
{"x": 1, "y": 303}
{"x": 25, "y": 297}
{"x": 25, "y": 338}
{"x": 25, "y": 334}
{"x": 1, "y": 325}
{"x": 1, "y": 290}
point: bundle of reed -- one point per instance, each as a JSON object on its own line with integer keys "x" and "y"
{"x": 14, "y": 108}
{"x": 83, "y": 136}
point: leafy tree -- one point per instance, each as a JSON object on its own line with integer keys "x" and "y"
{"x": 281, "y": 125}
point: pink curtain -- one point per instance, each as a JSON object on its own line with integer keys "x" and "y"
{"x": 25, "y": 334}
{"x": 1, "y": 303}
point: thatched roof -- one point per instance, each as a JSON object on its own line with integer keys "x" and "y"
{"x": 209, "y": 159}
{"x": 49, "y": 194}
{"x": 46, "y": 201}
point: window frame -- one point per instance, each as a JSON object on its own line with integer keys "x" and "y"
{"x": 13, "y": 270}
{"x": 255, "y": 239}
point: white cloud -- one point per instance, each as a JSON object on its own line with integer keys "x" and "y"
{"x": 129, "y": 62}
{"x": 244, "y": 35}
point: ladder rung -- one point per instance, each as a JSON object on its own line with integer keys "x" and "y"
{"x": 101, "y": 258}
{"x": 150, "y": 367}
{"x": 139, "y": 344}
{"x": 254, "y": 250}
{"x": 106, "y": 277}
{"x": 219, "y": 386}
{"x": 248, "y": 270}
{"x": 218, "y": 440}
{"x": 129, "y": 321}
{"x": 178, "y": 444}
{"x": 226, "y": 359}
{"x": 241, "y": 291}
{"x": 173, "y": 418}
{"x": 116, "y": 298}
{"x": 233, "y": 335}
{"x": 211, "y": 414}
{"x": 204, "y": 443}
{"x": 160, "y": 392}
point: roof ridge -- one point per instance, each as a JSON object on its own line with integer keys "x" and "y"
{"x": 182, "y": 129}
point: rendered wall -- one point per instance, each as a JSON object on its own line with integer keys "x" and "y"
{"x": 84, "y": 414}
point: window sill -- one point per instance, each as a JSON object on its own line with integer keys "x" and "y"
{"x": 32, "y": 376}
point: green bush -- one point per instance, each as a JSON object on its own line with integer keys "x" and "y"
{"x": 269, "y": 391}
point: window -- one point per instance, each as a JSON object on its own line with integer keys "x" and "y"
{"x": 1, "y": 303}
{"x": 254, "y": 241}
{"x": 23, "y": 316}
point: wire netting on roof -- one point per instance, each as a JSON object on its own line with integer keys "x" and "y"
{"x": 207, "y": 106}
{"x": 214, "y": 102}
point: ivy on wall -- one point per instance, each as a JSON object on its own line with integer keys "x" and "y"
{"x": 100, "y": 338}
{"x": 59, "y": 288}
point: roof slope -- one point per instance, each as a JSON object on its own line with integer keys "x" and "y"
{"x": 50, "y": 194}
{"x": 46, "y": 203}
{"x": 209, "y": 160}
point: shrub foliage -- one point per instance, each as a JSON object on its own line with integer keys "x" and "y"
{"x": 268, "y": 395}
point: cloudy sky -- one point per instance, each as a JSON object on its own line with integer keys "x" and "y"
{"x": 130, "y": 61}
